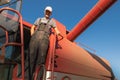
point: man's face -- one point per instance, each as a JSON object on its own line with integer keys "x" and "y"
{"x": 47, "y": 13}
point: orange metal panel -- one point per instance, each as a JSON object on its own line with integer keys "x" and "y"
{"x": 75, "y": 60}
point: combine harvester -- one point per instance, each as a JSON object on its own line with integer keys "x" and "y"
{"x": 65, "y": 61}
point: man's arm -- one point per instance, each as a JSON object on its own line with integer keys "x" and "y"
{"x": 55, "y": 28}
{"x": 32, "y": 30}
{"x": 59, "y": 36}
{"x": 57, "y": 31}
{"x": 34, "y": 26}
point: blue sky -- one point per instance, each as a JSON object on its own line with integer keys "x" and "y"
{"x": 103, "y": 35}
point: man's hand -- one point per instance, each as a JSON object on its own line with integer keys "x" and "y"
{"x": 59, "y": 38}
{"x": 58, "y": 34}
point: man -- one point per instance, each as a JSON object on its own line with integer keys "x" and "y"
{"x": 40, "y": 39}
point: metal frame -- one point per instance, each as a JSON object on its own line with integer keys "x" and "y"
{"x": 16, "y": 44}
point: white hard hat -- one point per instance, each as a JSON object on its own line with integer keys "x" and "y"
{"x": 49, "y": 8}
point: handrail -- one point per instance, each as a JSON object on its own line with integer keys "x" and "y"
{"x": 53, "y": 41}
{"x": 21, "y": 36}
{"x": 51, "y": 55}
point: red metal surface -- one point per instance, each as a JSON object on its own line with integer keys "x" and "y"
{"x": 72, "y": 59}
{"x": 89, "y": 18}
{"x": 22, "y": 39}
{"x": 27, "y": 24}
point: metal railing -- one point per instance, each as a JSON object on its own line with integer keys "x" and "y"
{"x": 21, "y": 44}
